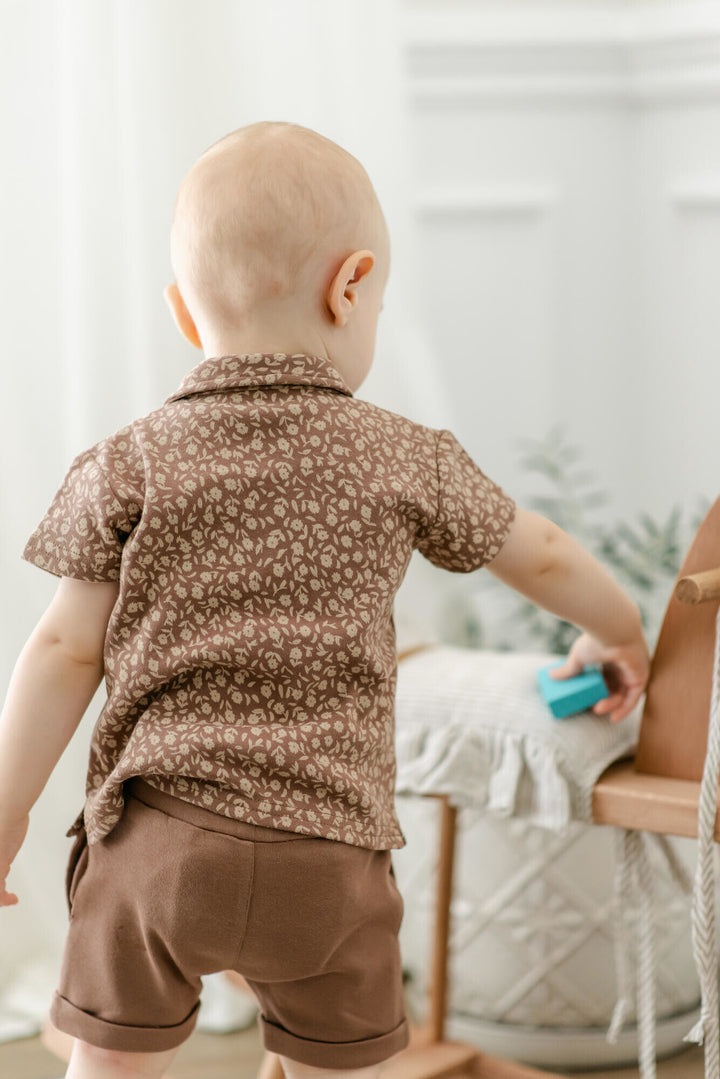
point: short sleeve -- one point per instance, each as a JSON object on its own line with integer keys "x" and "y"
{"x": 96, "y": 508}
{"x": 474, "y": 515}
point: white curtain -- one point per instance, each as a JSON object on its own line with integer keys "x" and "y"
{"x": 106, "y": 105}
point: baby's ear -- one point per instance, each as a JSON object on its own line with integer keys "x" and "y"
{"x": 181, "y": 315}
{"x": 342, "y": 294}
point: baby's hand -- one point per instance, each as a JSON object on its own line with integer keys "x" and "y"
{"x": 12, "y": 834}
{"x": 625, "y": 668}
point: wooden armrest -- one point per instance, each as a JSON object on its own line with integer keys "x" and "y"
{"x": 629, "y": 799}
{"x": 699, "y": 587}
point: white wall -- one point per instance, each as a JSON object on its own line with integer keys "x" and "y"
{"x": 567, "y": 189}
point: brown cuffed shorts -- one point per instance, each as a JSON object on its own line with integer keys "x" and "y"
{"x": 176, "y": 891}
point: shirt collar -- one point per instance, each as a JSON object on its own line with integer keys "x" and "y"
{"x": 260, "y": 369}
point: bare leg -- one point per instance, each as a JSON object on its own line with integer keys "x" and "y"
{"x": 271, "y": 1067}
{"x": 90, "y": 1062}
{"x": 295, "y": 1070}
{"x": 238, "y": 981}
{"x": 57, "y": 1041}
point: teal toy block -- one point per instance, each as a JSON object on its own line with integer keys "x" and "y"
{"x": 567, "y": 696}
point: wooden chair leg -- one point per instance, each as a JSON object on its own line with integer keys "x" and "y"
{"x": 430, "y": 1056}
{"x": 439, "y": 975}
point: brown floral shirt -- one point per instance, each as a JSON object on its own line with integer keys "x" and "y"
{"x": 260, "y": 523}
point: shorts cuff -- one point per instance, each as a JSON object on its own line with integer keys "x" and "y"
{"x": 105, "y": 1035}
{"x": 333, "y": 1054}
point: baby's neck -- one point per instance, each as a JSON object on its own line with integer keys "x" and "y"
{"x": 293, "y": 336}
{"x": 244, "y": 345}
{"x": 276, "y": 331}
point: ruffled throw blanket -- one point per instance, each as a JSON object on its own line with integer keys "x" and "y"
{"x": 473, "y": 725}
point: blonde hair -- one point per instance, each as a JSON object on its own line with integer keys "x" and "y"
{"x": 261, "y": 212}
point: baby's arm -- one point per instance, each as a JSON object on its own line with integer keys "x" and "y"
{"x": 54, "y": 680}
{"x": 557, "y": 573}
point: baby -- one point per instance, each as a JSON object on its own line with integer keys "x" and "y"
{"x": 228, "y": 564}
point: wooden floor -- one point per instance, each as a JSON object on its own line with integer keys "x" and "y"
{"x": 237, "y": 1056}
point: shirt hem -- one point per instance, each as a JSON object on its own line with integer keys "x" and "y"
{"x": 368, "y": 841}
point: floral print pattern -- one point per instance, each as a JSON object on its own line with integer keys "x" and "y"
{"x": 259, "y": 524}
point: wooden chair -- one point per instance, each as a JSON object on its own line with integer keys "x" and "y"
{"x": 657, "y": 791}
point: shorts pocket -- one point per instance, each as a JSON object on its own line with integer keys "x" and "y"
{"x": 77, "y": 864}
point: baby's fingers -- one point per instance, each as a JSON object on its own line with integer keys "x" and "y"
{"x": 609, "y": 704}
{"x": 632, "y": 697}
{"x": 619, "y": 704}
{"x": 569, "y": 669}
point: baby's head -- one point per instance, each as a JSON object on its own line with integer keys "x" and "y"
{"x": 278, "y": 244}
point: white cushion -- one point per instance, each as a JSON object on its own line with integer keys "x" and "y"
{"x": 473, "y": 725}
